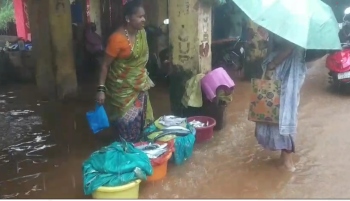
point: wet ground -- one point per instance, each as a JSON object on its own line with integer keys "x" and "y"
{"x": 44, "y": 144}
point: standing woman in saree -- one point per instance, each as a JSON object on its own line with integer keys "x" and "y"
{"x": 285, "y": 62}
{"x": 124, "y": 82}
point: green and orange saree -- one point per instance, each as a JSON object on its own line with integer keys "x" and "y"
{"x": 127, "y": 101}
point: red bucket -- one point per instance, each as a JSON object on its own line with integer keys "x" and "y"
{"x": 205, "y": 133}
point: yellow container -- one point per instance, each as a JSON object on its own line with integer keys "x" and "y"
{"x": 127, "y": 191}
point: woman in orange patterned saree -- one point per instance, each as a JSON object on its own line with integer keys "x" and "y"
{"x": 124, "y": 81}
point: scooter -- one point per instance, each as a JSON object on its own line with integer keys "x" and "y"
{"x": 338, "y": 64}
{"x": 229, "y": 53}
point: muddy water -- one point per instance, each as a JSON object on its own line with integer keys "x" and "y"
{"x": 44, "y": 144}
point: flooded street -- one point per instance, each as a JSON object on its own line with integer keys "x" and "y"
{"x": 44, "y": 144}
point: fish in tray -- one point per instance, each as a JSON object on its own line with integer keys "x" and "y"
{"x": 153, "y": 154}
{"x": 198, "y": 124}
{"x": 151, "y": 146}
{"x": 171, "y": 120}
{"x": 176, "y": 128}
{"x": 173, "y": 130}
{"x": 153, "y": 150}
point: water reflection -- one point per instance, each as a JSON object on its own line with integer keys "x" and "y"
{"x": 21, "y": 145}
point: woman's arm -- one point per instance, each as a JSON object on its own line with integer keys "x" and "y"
{"x": 111, "y": 52}
{"x": 107, "y": 60}
{"x": 281, "y": 56}
{"x": 221, "y": 41}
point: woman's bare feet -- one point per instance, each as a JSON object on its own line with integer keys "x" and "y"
{"x": 287, "y": 160}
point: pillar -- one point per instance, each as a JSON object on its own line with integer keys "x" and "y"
{"x": 41, "y": 39}
{"x": 95, "y": 14}
{"x": 190, "y": 39}
{"x": 22, "y": 19}
{"x": 52, "y": 47}
{"x": 60, "y": 24}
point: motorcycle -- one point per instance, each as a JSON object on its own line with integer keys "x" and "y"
{"x": 338, "y": 62}
{"x": 228, "y": 53}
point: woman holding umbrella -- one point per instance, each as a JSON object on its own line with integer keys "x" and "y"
{"x": 285, "y": 62}
{"x": 311, "y": 26}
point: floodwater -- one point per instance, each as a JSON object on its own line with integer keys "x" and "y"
{"x": 44, "y": 144}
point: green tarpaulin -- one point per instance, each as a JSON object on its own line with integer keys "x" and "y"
{"x": 115, "y": 165}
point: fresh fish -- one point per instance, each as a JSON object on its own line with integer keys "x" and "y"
{"x": 163, "y": 146}
{"x": 176, "y": 128}
{"x": 163, "y": 135}
{"x": 170, "y": 133}
{"x": 175, "y": 132}
{"x": 155, "y": 153}
{"x": 171, "y": 120}
{"x": 153, "y": 150}
{"x": 151, "y": 146}
{"x": 198, "y": 124}
{"x": 141, "y": 147}
{"x": 164, "y": 138}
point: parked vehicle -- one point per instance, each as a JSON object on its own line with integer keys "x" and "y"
{"x": 338, "y": 62}
{"x": 228, "y": 53}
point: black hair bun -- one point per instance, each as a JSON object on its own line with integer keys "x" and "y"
{"x": 131, "y": 6}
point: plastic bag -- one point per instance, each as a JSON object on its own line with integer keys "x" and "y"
{"x": 97, "y": 119}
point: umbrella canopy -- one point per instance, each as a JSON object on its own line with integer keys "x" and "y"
{"x": 310, "y": 24}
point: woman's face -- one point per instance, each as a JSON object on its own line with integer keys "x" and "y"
{"x": 137, "y": 20}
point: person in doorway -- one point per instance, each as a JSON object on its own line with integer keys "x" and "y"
{"x": 285, "y": 62}
{"x": 124, "y": 81}
{"x": 93, "y": 40}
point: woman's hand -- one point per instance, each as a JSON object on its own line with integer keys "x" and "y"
{"x": 270, "y": 69}
{"x": 271, "y": 66}
{"x": 100, "y": 97}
